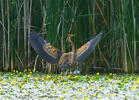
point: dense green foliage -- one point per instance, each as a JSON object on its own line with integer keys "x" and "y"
{"x": 54, "y": 19}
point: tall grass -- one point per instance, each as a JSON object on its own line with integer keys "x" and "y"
{"x": 54, "y": 19}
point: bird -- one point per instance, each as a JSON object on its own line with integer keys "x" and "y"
{"x": 53, "y": 55}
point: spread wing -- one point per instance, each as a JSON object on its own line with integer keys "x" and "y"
{"x": 44, "y": 48}
{"x": 84, "y": 51}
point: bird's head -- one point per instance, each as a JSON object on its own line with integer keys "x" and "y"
{"x": 69, "y": 36}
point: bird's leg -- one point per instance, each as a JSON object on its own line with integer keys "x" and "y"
{"x": 68, "y": 70}
{"x": 76, "y": 70}
{"x": 77, "y": 65}
{"x": 66, "y": 73}
{"x": 65, "y": 69}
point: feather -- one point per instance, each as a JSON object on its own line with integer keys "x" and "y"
{"x": 84, "y": 51}
{"x": 55, "y": 56}
{"x": 44, "y": 48}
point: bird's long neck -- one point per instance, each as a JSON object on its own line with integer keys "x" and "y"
{"x": 70, "y": 42}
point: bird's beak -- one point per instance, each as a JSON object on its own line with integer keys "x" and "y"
{"x": 73, "y": 35}
{"x": 70, "y": 35}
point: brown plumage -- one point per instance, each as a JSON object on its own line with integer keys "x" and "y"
{"x": 55, "y": 56}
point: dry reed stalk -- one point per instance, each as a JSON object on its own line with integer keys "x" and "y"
{"x": 134, "y": 32}
{"x": 25, "y": 30}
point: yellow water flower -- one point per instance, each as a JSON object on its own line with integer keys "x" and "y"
{"x": 29, "y": 70}
{"x": 12, "y": 82}
{"x": 42, "y": 79}
{"x": 91, "y": 88}
{"x": 69, "y": 76}
{"x": 28, "y": 75}
{"x": 67, "y": 89}
{"x": 132, "y": 88}
{"x": 24, "y": 89}
{"x": 97, "y": 73}
{"x": 91, "y": 81}
{"x": 100, "y": 97}
{"x": 61, "y": 91}
{"x": 79, "y": 92}
{"x": 86, "y": 75}
{"x": 100, "y": 88}
{"x": 86, "y": 98}
{"x": 109, "y": 80}
{"x": 61, "y": 73}
{"x": 82, "y": 89}
{"x": 20, "y": 85}
{"x": 115, "y": 94}
{"x": 137, "y": 86}
{"x": 1, "y": 81}
{"x": 94, "y": 95}
{"x": 48, "y": 76}
{"x": 131, "y": 77}
{"x": 75, "y": 76}
{"x": 4, "y": 83}
{"x": 25, "y": 70}
{"x": 110, "y": 74}
{"x": 136, "y": 82}
{"x": 61, "y": 97}
{"x": 65, "y": 82}
{"x": 83, "y": 92}
{"x": 121, "y": 83}
{"x": 62, "y": 79}
{"x": 116, "y": 81}
{"x": 109, "y": 95}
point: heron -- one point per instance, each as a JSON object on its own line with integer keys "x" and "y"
{"x": 53, "y": 55}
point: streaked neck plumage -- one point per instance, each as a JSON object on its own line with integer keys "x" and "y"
{"x": 71, "y": 43}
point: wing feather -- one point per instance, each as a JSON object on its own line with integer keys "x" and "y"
{"x": 84, "y": 51}
{"x": 44, "y": 48}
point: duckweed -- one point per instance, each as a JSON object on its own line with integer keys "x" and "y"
{"x": 32, "y": 85}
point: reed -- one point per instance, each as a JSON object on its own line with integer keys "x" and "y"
{"x": 54, "y": 19}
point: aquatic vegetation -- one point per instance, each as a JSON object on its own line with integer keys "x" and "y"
{"x": 27, "y": 85}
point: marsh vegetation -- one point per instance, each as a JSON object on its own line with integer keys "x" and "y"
{"x": 21, "y": 67}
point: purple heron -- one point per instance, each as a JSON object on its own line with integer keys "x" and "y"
{"x": 55, "y": 56}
